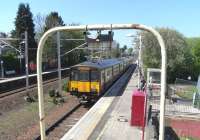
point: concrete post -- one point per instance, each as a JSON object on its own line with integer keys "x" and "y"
{"x": 59, "y": 64}
{"x": 26, "y": 61}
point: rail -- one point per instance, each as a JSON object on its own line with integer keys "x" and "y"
{"x": 30, "y": 75}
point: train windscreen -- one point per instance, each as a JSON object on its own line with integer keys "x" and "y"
{"x": 84, "y": 76}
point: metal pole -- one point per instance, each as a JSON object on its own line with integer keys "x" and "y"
{"x": 2, "y": 72}
{"x": 2, "y": 69}
{"x": 26, "y": 60}
{"x": 59, "y": 64}
{"x": 100, "y": 27}
{"x": 139, "y": 61}
{"x": 20, "y": 59}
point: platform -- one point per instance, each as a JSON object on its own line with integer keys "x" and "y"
{"x": 117, "y": 121}
{"x": 109, "y": 118}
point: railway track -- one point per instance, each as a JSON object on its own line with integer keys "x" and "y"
{"x": 66, "y": 122}
{"x": 14, "y": 86}
{"x": 32, "y": 87}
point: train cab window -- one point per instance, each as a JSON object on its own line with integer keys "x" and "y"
{"x": 94, "y": 76}
{"x": 84, "y": 76}
{"x": 74, "y": 75}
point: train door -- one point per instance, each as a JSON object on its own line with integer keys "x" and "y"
{"x": 103, "y": 80}
{"x": 95, "y": 81}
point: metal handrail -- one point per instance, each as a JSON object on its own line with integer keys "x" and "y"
{"x": 100, "y": 27}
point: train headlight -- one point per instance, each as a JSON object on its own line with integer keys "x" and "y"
{"x": 74, "y": 89}
{"x": 93, "y": 89}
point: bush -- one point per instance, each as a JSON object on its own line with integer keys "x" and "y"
{"x": 65, "y": 86}
{"x": 52, "y": 93}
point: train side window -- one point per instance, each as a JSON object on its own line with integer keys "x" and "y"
{"x": 102, "y": 77}
{"x": 95, "y": 76}
{"x": 109, "y": 72}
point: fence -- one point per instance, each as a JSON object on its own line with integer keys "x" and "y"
{"x": 181, "y": 113}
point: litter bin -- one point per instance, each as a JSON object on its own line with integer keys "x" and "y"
{"x": 138, "y": 108}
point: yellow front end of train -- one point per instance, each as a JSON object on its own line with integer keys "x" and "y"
{"x": 84, "y": 87}
{"x": 90, "y": 79}
{"x": 84, "y": 83}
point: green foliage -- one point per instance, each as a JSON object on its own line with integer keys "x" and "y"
{"x": 188, "y": 138}
{"x": 3, "y": 35}
{"x": 53, "y": 20}
{"x": 10, "y": 61}
{"x": 52, "y": 93}
{"x": 124, "y": 49}
{"x": 24, "y": 22}
{"x": 116, "y": 52}
{"x": 65, "y": 86}
{"x": 187, "y": 92}
{"x": 130, "y": 51}
{"x": 194, "y": 44}
{"x": 50, "y": 49}
{"x": 179, "y": 56}
{"x": 56, "y": 97}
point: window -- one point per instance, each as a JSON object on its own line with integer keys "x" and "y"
{"x": 102, "y": 77}
{"x": 74, "y": 75}
{"x": 84, "y": 75}
{"x": 94, "y": 76}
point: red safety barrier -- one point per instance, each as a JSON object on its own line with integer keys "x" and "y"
{"x": 138, "y": 108}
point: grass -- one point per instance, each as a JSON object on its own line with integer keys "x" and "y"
{"x": 187, "y": 138}
{"x": 15, "y": 121}
{"x": 187, "y": 92}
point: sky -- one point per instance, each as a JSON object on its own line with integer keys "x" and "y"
{"x": 182, "y": 15}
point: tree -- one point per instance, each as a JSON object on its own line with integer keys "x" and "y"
{"x": 24, "y": 22}
{"x": 53, "y": 20}
{"x": 194, "y": 44}
{"x": 130, "y": 51}
{"x": 10, "y": 61}
{"x": 39, "y": 20}
{"x": 3, "y": 35}
{"x": 179, "y": 56}
{"x": 124, "y": 48}
{"x": 50, "y": 50}
{"x": 116, "y": 51}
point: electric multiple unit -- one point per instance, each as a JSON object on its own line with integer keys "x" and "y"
{"x": 90, "y": 79}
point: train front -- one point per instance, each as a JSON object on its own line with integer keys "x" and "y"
{"x": 84, "y": 83}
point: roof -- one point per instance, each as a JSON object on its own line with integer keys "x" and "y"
{"x": 101, "y": 38}
{"x": 101, "y": 64}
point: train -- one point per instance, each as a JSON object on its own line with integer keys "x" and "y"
{"x": 89, "y": 80}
